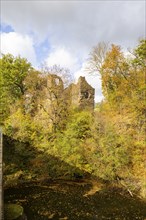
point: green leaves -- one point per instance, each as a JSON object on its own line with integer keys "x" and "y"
{"x": 108, "y": 144}
{"x": 80, "y": 125}
{"x": 140, "y": 53}
{"x": 12, "y": 74}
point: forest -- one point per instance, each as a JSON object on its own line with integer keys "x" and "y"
{"x": 42, "y": 143}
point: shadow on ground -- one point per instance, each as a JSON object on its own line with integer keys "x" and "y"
{"x": 69, "y": 200}
{"x": 77, "y": 198}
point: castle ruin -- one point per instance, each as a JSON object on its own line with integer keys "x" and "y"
{"x": 80, "y": 95}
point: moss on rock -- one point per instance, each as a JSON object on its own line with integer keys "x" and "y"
{"x": 12, "y": 211}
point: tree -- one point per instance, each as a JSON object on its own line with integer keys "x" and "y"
{"x": 140, "y": 53}
{"x": 64, "y": 73}
{"x": 13, "y": 71}
{"x": 34, "y": 91}
{"x": 114, "y": 74}
{"x": 122, "y": 145}
{"x": 52, "y": 103}
{"x": 97, "y": 57}
{"x": 69, "y": 145}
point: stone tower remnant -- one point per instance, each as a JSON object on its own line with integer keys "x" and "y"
{"x": 80, "y": 95}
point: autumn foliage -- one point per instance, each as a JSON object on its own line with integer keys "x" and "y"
{"x": 109, "y": 144}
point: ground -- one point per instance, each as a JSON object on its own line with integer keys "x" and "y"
{"x": 75, "y": 200}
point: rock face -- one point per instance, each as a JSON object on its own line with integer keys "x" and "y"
{"x": 80, "y": 95}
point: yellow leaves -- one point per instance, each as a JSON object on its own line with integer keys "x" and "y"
{"x": 18, "y": 125}
{"x": 112, "y": 58}
{"x": 88, "y": 168}
{"x": 111, "y": 71}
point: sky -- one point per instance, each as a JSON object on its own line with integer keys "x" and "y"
{"x": 64, "y": 32}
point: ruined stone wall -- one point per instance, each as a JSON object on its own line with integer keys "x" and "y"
{"x": 55, "y": 84}
{"x": 80, "y": 95}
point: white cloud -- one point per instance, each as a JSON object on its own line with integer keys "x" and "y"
{"x": 73, "y": 28}
{"x": 77, "y": 24}
{"x": 62, "y": 57}
{"x": 17, "y": 44}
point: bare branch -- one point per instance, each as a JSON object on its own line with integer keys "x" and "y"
{"x": 96, "y": 58}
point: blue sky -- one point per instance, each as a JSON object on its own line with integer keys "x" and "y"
{"x": 5, "y": 28}
{"x": 64, "y": 32}
{"x": 41, "y": 49}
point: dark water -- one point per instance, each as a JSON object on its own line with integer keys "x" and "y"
{"x": 64, "y": 200}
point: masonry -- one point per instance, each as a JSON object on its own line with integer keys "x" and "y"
{"x": 80, "y": 95}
